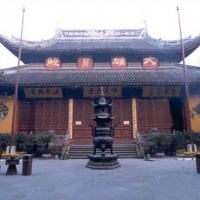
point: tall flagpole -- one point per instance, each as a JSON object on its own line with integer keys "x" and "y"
{"x": 187, "y": 106}
{"x": 16, "y": 85}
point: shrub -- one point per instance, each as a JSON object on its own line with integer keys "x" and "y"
{"x": 32, "y": 139}
{"x": 177, "y": 141}
{"x": 196, "y": 138}
{"x": 187, "y": 137}
{"x": 159, "y": 138}
{"x": 20, "y": 141}
{"x": 46, "y": 139}
{"x": 4, "y": 140}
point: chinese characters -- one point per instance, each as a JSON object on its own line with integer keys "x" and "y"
{"x": 43, "y": 92}
{"x": 108, "y": 91}
{"x": 85, "y": 63}
{"x": 118, "y": 63}
{"x": 150, "y": 63}
{"x": 161, "y": 91}
{"x": 52, "y": 63}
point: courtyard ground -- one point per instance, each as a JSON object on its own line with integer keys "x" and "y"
{"x": 136, "y": 179}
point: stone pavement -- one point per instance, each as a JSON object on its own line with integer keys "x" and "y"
{"x": 136, "y": 179}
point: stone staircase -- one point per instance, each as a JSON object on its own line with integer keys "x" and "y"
{"x": 82, "y": 151}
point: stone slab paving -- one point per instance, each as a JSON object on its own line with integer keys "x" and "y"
{"x": 136, "y": 179}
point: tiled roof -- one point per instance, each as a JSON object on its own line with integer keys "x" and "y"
{"x": 3, "y": 80}
{"x": 77, "y": 78}
{"x": 128, "y": 45}
{"x": 134, "y": 41}
{"x": 74, "y": 45}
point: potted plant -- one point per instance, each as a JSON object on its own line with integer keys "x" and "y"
{"x": 4, "y": 141}
{"x": 20, "y": 141}
{"x": 177, "y": 141}
{"x": 196, "y": 138}
{"x": 186, "y": 137}
{"x": 32, "y": 142}
{"x": 158, "y": 139}
{"x": 46, "y": 140}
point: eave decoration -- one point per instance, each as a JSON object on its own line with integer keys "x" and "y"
{"x": 195, "y": 111}
{"x": 3, "y": 110}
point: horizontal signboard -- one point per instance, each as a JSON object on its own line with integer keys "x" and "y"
{"x": 108, "y": 91}
{"x": 161, "y": 91}
{"x": 43, "y": 92}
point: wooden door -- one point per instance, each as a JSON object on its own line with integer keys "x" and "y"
{"x": 51, "y": 115}
{"x": 82, "y": 133}
{"x": 123, "y": 111}
{"x": 153, "y": 113}
{"x": 26, "y": 116}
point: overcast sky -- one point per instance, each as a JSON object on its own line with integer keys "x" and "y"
{"x": 42, "y": 17}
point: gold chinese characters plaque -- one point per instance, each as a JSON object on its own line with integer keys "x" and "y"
{"x": 43, "y": 92}
{"x": 108, "y": 91}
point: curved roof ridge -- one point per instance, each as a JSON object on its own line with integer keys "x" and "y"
{"x": 100, "y": 33}
{"x": 65, "y": 34}
{"x": 188, "y": 67}
{"x": 35, "y": 44}
{"x": 120, "y": 41}
{"x": 160, "y": 42}
{"x": 79, "y": 35}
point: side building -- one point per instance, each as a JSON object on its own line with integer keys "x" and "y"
{"x": 61, "y": 77}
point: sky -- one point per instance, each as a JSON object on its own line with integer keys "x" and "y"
{"x": 43, "y": 17}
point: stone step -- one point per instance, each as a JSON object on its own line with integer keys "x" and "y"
{"x": 122, "y": 150}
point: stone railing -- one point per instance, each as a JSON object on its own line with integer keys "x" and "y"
{"x": 140, "y": 143}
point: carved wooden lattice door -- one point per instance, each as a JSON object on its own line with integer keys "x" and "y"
{"x": 82, "y": 133}
{"x": 153, "y": 113}
{"x": 123, "y": 112}
{"x": 51, "y": 114}
{"x": 26, "y": 116}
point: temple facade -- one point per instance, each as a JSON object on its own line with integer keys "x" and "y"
{"x": 62, "y": 76}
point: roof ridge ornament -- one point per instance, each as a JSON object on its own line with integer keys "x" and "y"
{"x": 99, "y": 34}
{"x": 145, "y": 30}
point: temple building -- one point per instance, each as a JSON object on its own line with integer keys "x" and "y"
{"x": 62, "y": 76}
